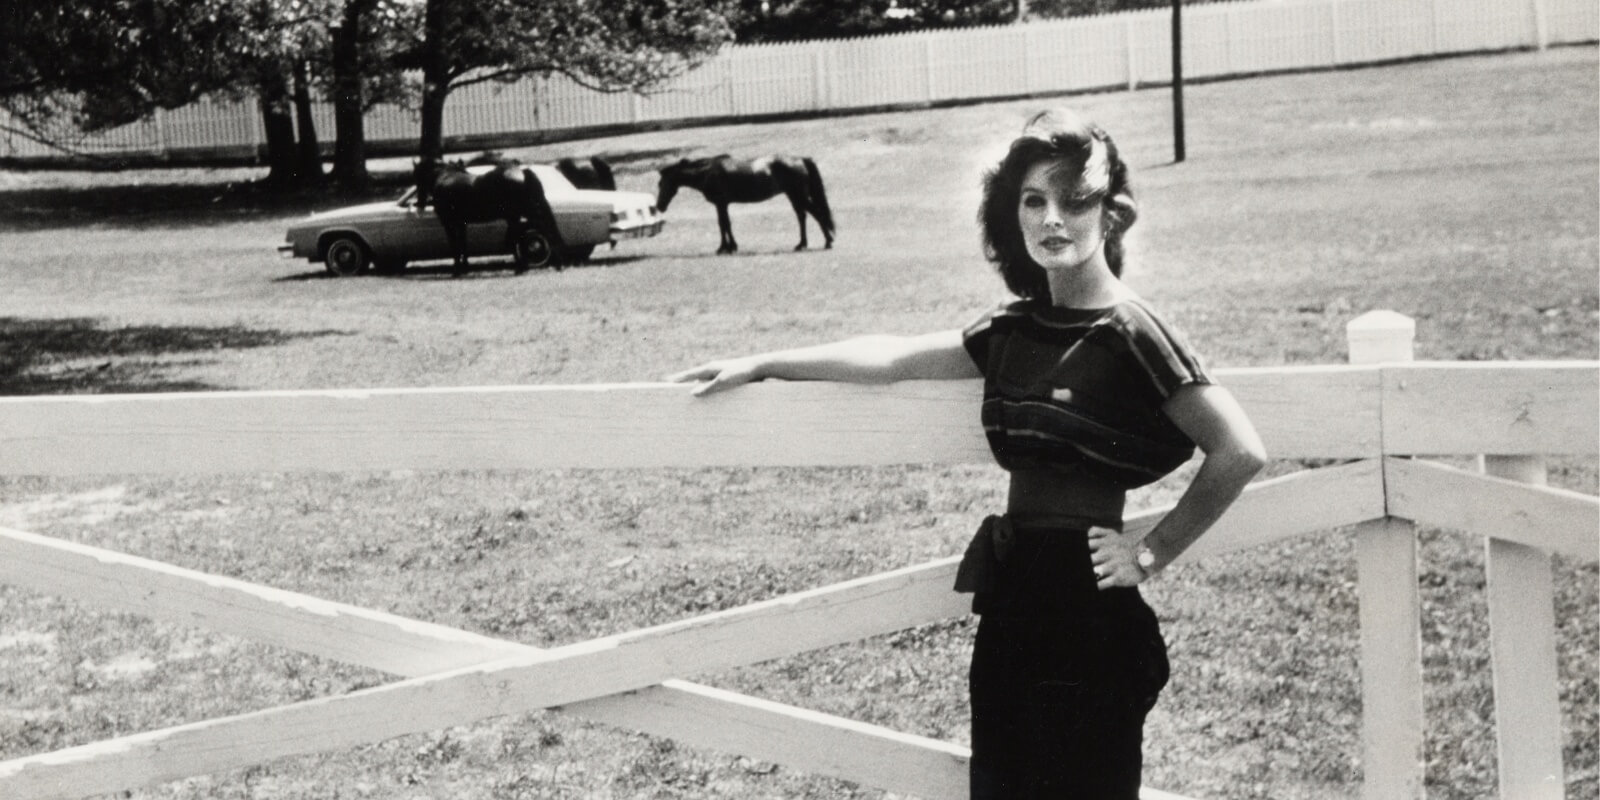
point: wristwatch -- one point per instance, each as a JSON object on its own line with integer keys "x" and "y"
{"x": 1146, "y": 559}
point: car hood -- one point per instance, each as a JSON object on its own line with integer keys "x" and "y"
{"x": 366, "y": 209}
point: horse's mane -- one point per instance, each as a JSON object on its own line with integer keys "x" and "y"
{"x": 494, "y": 158}
{"x": 697, "y": 166}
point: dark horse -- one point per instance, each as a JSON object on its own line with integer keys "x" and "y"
{"x": 509, "y": 191}
{"x": 724, "y": 179}
{"x": 594, "y": 175}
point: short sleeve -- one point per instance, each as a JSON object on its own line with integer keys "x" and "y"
{"x": 976, "y": 335}
{"x": 1163, "y": 352}
{"x": 979, "y": 335}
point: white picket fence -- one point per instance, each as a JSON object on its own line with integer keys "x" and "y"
{"x": 1377, "y": 415}
{"x": 1127, "y": 49}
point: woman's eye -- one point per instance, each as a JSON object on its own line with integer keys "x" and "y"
{"x": 1033, "y": 201}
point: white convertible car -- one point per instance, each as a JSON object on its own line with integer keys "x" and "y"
{"x": 387, "y": 236}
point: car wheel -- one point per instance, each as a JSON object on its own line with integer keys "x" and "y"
{"x": 534, "y": 251}
{"x": 346, "y": 256}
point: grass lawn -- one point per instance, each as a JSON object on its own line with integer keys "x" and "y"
{"x": 1462, "y": 192}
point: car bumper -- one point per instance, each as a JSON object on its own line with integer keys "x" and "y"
{"x": 286, "y": 250}
{"x": 637, "y": 231}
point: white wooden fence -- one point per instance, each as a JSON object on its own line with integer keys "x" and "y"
{"x": 1115, "y": 50}
{"x": 1382, "y": 412}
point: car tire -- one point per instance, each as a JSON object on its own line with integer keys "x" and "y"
{"x": 346, "y": 256}
{"x": 534, "y": 251}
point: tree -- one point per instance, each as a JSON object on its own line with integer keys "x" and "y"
{"x": 614, "y": 46}
{"x": 796, "y": 20}
{"x": 92, "y": 65}
{"x": 364, "y": 43}
{"x": 96, "y": 64}
{"x": 73, "y": 69}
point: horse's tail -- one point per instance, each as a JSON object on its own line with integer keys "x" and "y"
{"x": 819, "y": 196}
{"x": 539, "y": 211}
{"x": 602, "y": 170}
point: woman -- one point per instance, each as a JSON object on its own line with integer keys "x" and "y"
{"x": 1087, "y": 394}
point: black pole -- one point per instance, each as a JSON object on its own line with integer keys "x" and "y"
{"x": 1177, "y": 81}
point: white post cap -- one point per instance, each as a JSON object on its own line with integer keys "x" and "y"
{"x": 1378, "y": 336}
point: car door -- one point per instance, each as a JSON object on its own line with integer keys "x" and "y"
{"x": 417, "y": 234}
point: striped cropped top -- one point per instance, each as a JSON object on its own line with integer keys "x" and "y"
{"x": 1081, "y": 390}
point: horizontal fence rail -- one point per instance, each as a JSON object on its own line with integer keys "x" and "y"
{"x": 1375, "y": 416}
{"x": 1302, "y": 412}
{"x": 1126, "y": 49}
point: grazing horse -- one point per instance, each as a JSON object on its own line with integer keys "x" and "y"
{"x": 509, "y": 191}
{"x": 596, "y": 175}
{"x": 724, "y": 179}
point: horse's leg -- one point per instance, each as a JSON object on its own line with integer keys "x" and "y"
{"x": 823, "y": 223}
{"x": 725, "y": 225}
{"x": 456, "y": 231}
{"x": 798, "y": 201}
{"x": 514, "y": 233}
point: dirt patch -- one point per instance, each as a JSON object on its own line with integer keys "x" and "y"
{"x": 89, "y": 508}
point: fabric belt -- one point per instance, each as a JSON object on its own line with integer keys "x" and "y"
{"x": 991, "y": 546}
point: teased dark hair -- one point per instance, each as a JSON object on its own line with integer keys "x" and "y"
{"x": 1049, "y": 136}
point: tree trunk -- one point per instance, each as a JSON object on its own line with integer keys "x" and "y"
{"x": 349, "y": 100}
{"x": 277, "y": 119}
{"x": 310, "y": 150}
{"x": 435, "y": 81}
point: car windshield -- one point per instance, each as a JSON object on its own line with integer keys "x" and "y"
{"x": 551, "y": 178}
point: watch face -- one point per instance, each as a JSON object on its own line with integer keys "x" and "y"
{"x": 1147, "y": 559}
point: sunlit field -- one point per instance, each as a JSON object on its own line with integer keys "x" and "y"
{"x": 1463, "y": 192}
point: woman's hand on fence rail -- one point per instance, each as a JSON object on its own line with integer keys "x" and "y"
{"x": 720, "y": 375}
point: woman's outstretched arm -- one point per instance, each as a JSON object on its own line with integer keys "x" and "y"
{"x": 864, "y": 359}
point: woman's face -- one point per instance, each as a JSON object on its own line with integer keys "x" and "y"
{"x": 1062, "y": 218}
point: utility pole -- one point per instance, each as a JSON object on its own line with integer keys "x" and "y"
{"x": 1177, "y": 81}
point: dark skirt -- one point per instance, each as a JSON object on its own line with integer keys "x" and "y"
{"x": 1063, "y": 674}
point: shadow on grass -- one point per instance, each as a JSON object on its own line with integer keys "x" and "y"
{"x": 121, "y": 201}
{"x": 77, "y": 356}
{"x": 443, "y": 270}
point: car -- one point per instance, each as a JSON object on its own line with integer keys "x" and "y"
{"x": 387, "y": 236}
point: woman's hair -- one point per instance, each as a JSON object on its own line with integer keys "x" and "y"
{"x": 1083, "y": 146}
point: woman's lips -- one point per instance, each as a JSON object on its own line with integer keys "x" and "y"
{"x": 1055, "y": 242}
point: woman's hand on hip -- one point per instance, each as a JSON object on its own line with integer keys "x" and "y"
{"x": 1115, "y": 558}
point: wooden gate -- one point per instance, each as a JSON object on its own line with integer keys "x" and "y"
{"x": 1377, "y": 415}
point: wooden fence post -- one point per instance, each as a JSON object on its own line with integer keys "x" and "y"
{"x": 1334, "y": 22}
{"x": 1133, "y": 55}
{"x": 1541, "y": 26}
{"x": 1392, "y": 755}
{"x": 1522, "y": 646}
{"x": 820, "y": 81}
